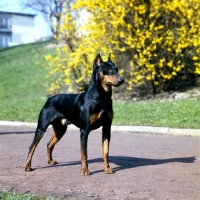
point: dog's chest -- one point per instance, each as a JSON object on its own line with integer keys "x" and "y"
{"x": 103, "y": 114}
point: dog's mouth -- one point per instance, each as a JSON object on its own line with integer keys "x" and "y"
{"x": 109, "y": 83}
{"x": 113, "y": 84}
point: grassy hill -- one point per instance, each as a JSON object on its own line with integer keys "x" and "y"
{"x": 22, "y": 81}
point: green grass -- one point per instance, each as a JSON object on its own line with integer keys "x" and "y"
{"x": 21, "y": 109}
{"x": 22, "y": 94}
{"x": 176, "y": 114}
{"x": 22, "y": 81}
{"x": 5, "y": 195}
{"x": 22, "y": 74}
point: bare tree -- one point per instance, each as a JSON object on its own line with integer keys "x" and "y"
{"x": 52, "y": 10}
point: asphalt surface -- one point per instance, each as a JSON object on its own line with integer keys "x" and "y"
{"x": 147, "y": 166}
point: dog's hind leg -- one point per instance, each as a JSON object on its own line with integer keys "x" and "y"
{"x": 59, "y": 131}
{"x": 38, "y": 135}
{"x": 44, "y": 120}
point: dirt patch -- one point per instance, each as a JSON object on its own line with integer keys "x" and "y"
{"x": 146, "y": 166}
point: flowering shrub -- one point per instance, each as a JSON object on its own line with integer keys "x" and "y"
{"x": 155, "y": 40}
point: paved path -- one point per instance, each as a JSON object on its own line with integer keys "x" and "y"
{"x": 139, "y": 129}
{"x": 146, "y": 166}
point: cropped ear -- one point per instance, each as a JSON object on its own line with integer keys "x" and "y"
{"x": 97, "y": 61}
{"x": 109, "y": 59}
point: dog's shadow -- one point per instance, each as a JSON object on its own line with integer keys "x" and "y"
{"x": 125, "y": 162}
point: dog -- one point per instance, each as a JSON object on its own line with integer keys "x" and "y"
{"x": 88, "y": 111}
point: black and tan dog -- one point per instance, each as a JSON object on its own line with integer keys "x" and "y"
{"x": 88, "y": 111}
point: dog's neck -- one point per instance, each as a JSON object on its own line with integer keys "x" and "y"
{"x": 96, "y": 92}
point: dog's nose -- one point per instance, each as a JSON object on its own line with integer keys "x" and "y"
{"x": 120, "y": 80}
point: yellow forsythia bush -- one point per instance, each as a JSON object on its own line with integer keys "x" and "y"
{"x": 157, "y": 41}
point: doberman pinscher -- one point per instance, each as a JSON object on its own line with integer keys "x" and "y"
{"x": 88, "y": 111}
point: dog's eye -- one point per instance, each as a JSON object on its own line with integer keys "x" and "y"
{"x": 109, "y": 70}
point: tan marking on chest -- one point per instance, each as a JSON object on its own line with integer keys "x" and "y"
{"x": 95, "y": 117}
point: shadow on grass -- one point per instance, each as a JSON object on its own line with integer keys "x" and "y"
{"x": 125, "y": 162}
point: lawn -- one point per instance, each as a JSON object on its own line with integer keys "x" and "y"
{"x": 175, "y": 114}
{"x": 22, "y": 81}
{"x": 22, "y": 74}
{"x": 23, "y": 84}
{"x": 4, "y": 195}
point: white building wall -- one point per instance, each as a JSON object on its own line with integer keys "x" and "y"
{"x": 22, "y": 35}
{"x": 22, "y": 30}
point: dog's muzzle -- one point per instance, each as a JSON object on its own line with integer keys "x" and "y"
{"x": 120, "y": 80}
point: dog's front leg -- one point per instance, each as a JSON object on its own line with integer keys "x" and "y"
{"x": 105, "y": 148}
{"x": 84, "y": 165}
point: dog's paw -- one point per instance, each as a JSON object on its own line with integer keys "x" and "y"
{"x": 52, "y": 162}
{"x": 108, "y": 170}
{"x": 85, "y": 172}
{"x": 28, "y": 168}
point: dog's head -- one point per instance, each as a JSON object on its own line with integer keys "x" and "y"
{"x": 108, "y": 73}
